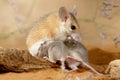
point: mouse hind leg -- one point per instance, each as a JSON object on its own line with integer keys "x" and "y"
{"x": 63, "y": 64}
{"x": 73, "y": 67}
{"x": 72, "y": 63}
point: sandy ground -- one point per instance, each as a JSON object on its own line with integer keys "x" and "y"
{"x": 98, "y": 59}
{"x": 49, "y": 74}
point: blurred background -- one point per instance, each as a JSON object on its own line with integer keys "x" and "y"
{"x": 99, "y": 20}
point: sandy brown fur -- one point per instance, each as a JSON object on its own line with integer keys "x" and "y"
{"x": 49, "y": 27}
{"x": 74, "y": 21}
{"x": 44, "y": 29}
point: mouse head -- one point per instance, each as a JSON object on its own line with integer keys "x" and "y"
{"x": 69, "y": 24}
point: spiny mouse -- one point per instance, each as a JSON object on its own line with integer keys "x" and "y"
{"x": 54, "y": 26}
{"x": 72, "y": 52}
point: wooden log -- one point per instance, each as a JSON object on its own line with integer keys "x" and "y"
{"x": 16, "y": 60}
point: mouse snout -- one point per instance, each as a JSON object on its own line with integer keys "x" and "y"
{"x": 76, "y": 37}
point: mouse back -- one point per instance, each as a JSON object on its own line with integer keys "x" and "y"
{"x": 78, "y": 50}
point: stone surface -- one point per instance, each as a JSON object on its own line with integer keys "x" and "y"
{"x": 114, "y": 69}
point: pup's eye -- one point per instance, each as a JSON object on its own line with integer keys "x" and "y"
{"x": 73, "y": 27}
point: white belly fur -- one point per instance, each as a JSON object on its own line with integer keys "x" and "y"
{"x": 34, "y": 48}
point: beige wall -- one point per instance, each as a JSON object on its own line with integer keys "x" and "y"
{"x": 30, "y": 10}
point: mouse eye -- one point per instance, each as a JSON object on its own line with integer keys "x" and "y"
{"x": 73, "y": 27}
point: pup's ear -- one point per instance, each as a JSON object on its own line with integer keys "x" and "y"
{"x": 63, "y": 14}
{"x": 74, "y": 10}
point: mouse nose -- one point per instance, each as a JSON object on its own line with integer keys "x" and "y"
{"x": 76, "y": 36}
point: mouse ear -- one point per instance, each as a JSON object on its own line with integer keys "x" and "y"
{"x": 74, "y": 10}
{"x": 63, "y": 14}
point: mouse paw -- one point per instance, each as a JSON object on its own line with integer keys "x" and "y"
{"x": 63, "y": 68}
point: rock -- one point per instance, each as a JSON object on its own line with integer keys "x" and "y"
{"x": 114, "y": 69}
